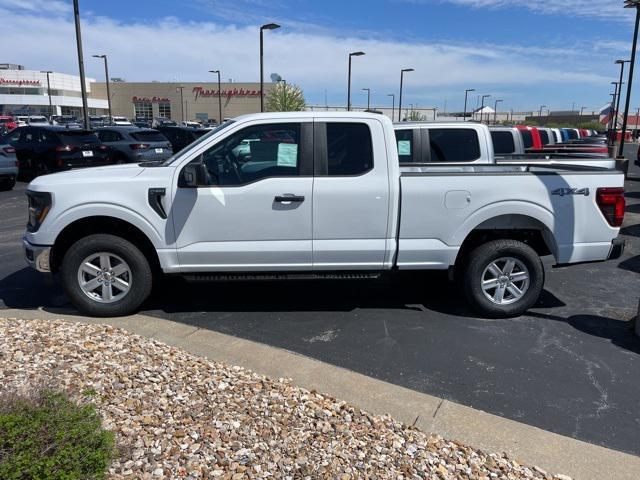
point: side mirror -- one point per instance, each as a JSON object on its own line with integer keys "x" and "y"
{"x": 193, "y": 175}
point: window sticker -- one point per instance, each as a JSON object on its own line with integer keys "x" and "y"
{"x": 404, "y": 147}
{"x": 287, "y": 155}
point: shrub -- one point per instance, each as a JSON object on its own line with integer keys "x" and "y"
{"x": 45, "y": 435}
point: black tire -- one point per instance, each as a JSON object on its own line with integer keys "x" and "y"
{"x": 483, "y": 256}
{"x": 7, "y": 184}
{"x": 141, "y": 281}
{"x": 40, "y": 168}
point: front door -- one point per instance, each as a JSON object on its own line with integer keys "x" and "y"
{"x": 254, "y": 214}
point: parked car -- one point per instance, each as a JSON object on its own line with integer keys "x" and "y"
{"x": 8, "y": 166}
{"x": 133, "y": 144}
{"x": 7, "y": 123}
{"x": 68, "y": 121}
{"x": 120, "y": 121}
{"x": 96, "y": 121}
{"x": 190, "y": 124}
{"x": 163, "y": 122}
{"x": 142, "y": 122}
{"x": 37, "y": 120}
{"x": 22, "y": 120}
{"x": 319, "y": 196}
{"x": 53, "y": 148}
{"x": 180, "y": 137}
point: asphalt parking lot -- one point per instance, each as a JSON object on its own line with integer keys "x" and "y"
{"x": 570, "y": 366}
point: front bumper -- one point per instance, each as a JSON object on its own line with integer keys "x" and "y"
{"x": 37, "y": 256}
{"x": 617, "y": 248}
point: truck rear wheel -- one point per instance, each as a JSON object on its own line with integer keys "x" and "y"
{"x": 106, "y": 276}
{"x": 503, "y": 278}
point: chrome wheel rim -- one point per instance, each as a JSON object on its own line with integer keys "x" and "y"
{"x": 505, "y": 280}
{"x": 104, "y": 277}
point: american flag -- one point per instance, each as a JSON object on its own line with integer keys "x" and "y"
{"x": 606, "y": 114}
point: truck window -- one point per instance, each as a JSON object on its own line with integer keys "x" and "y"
{"x": 454, "y": 145}
{"x": 254, "y": 153}
{"x": 503, "y": 143}
{"x": 544, "y": 137}
{"x": 527, "y": 139}
{"x": 404, "y": 139}
{"x": 349, "y": 149}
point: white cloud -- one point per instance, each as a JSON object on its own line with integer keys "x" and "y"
{"x": 605, "y": 9}
{"x": 170, "y": 49}
{"x": 42, "y": 6}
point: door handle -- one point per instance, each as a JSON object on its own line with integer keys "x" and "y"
{"x": 288, "y": 197}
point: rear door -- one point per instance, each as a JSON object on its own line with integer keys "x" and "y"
{"x": 350, "y": 195}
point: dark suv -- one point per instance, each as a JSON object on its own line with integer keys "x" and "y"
{"x": 48, "y": 149}
{"x": 133, "y": 144}
{"x": 180, "y": 137}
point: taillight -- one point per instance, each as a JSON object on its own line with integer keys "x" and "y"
{"x": 64, "y": 148}
{"x": 612, "y": 204}
{"x": 9, "y": 150}
{"x": 102, "y": 147}
{"x": 139, "y": 146}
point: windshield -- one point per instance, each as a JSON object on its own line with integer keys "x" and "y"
{"x": 203, "y": 138}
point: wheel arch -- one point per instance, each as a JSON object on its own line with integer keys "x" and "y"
{"x": 105, "y": 224}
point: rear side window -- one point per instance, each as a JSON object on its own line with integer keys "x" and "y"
{"x": 573, "y": 135}
{"x": 349, "y": 149}
{"x": 527, "y": 139}
{"x": 149, "y": 136}
{"x": 544, "y": 137}
{"x": 77, "y": 137}
{"x": 503, "y": 143}
{"x": 454, "y": 145}
{"x": 109, "y": 136}
{"x": 404, "y": 139}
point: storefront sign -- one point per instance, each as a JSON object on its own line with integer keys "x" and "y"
{"x": 232, "y": 92}
{"x": 19, "y": 83}
{"x": 150, "y": 100}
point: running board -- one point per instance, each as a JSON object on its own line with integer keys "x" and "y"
{"x": 230, "y": 277}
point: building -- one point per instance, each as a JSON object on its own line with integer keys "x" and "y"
{"x": 180, "y": 101}
{"x": 27, "y": 92}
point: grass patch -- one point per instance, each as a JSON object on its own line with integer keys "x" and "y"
{"x": 46, "y": 435}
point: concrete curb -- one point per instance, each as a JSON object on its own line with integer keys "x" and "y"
{"x": 527, "y": 444}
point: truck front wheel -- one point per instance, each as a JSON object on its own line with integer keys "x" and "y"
{"x": 106, "y": 276}
{"x": 503, "y": 278}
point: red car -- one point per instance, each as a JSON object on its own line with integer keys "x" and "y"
{"x": 530, "y": 137}
{"x": 7, "y": 123}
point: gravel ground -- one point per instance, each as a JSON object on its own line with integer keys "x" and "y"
{"x": 180, "y": 416}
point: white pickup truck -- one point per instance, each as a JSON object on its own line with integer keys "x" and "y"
{"x": 457, "y": 143}
{"x": 316, "y": 195}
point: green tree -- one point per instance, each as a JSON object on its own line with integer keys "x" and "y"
{"x": 285, "y": 97}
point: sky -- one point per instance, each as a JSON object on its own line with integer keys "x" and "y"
{"x": 528, "y": 53}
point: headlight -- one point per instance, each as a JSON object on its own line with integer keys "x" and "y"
{"x": 39, "y": 206}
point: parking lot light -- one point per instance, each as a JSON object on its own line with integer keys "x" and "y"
{"x": 83, "y": 83}
{"x": 106, "y": 75}
{"x": 368, "y": 90}
{"x": 482, "y": 107}
{"x": 630, "y": 4}
{"x": 181, "y": 89}
{"x": 402, "y": 72}
{"x": 495, "y": 112}
{"x": 353, "y": 54}
{"x": 268, "y": 26}
{"x": 621, "y": 63}
{"x": 466, "y": 93}
{"x": 393, "y": 103}
{"x": 219, "y": 96}
{"x": 49, "y": 72}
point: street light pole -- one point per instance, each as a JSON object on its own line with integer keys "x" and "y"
{"x": 541, "y": 107}
{"x": 617, "y": 109}
{"x": 83, "y": 85}
{"x": 219, "y": 96}
{"x": 482, "y": 107}
{"x": 393, "y": 103}
{"x": 402, "y": 72}
{"x": 48, "y": 72}
{"x": 495, "y": 112}
{"x": 630, "y": 4}
{"x": 106, "y": 75}
{"x": 368, "y": 90}
{"x": 181, "y": 88}
{"x": 353, "y": 54}
{"x": 466, "y": 92}
{"x": 268, "y": 26}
